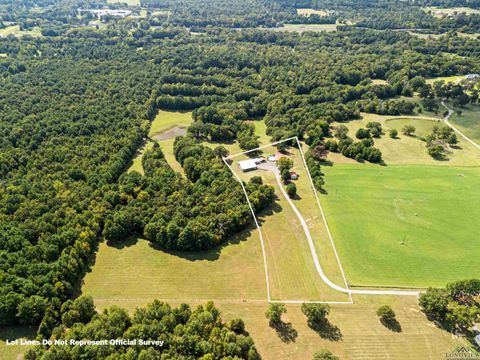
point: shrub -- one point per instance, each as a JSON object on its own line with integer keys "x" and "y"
{"x": 324, "y": 355}
{"x": 292, "y": 190}
{"x": 393, "y": 133}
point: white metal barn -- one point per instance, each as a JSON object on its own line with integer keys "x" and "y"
{"x": 247, "y": 165}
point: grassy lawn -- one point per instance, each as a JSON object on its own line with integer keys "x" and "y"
{"x": 469, "y": 121}
{"x": 409, "y": 149}
{"x": 13, "y": 352}
{"x": 404, "y": 225}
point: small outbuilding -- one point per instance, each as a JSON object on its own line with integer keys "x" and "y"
{"x": 247, "y": 165}
{"x": 271, "y": 158}
{"x": 477, "y": 339}
{"x": 472, "y": 77}
{"x": 293, "y": 175}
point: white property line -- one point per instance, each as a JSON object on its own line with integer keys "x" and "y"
{"x": 312, "y": 247}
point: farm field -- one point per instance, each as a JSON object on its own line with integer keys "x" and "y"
{"x": 409, "y": 149}
{"x": 469, "y": 121}
{"x": 12, "y": 352}
{"x": 420, "y": 233}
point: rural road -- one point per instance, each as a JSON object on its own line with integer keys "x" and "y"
{"x": 446, "y": 121}
{"x": 314, "y": 252}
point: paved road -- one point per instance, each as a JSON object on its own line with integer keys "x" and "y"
{"x": 271, "y": 167}
{"x": 446, "y": 121}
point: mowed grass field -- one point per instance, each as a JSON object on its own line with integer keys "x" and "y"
{"x": 360, "y": 335}
{"x": 404, "y": 225}
{"x": 136, "y": 273}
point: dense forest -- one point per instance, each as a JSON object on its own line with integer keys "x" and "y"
{"x": 76, "y": 103}
{"x": 153, "y": 332}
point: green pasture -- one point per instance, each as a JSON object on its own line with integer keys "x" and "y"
{"x": 11, "y": 333}
{"x": 469, "y": 121}
{"x": 404, "y": 225}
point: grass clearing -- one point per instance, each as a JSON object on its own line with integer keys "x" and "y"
{"x": 409, "y": 150}
{"x": 420, "y": 233}
{"x": 447, "y": 79}
{"x": 308, "y": 12}
{"x": 164, "y": 128}
{"x": 14, "y": 352}
{"x": 135, "y": 273}
{"x": 441, "y": 12}
{"x": 16, "y": 31}
{"x": 469, "y": 121}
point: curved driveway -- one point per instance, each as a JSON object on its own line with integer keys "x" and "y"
{"x": 447, "y": 117}
{"x": 273, "y": 168}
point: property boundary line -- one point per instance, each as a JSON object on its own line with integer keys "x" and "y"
{"x": 312, "y": 248}
{"x": 260, "y": 231}
{"x": 324, "y": 219}
{"x": 258, "y": 227}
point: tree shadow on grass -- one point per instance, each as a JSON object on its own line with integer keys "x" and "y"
{"x": 392, "y": 325}
{"x": 327, "y": 330}
{"x": 87, "y": 268}
{"x": 285, "y": 331}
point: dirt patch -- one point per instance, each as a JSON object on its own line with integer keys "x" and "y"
{"x": 171, "y": 133}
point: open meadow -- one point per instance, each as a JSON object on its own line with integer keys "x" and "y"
{"x": 405, "y": 149}
{"x": 404, "y": 225}
{"x": 468, "y": 121}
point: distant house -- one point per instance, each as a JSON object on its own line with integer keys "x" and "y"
{"x": 247, "y": 165}
{"x": 293, "y": 175}
{"x": 472, "y": 77}
{"x": 477, "y": 339}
